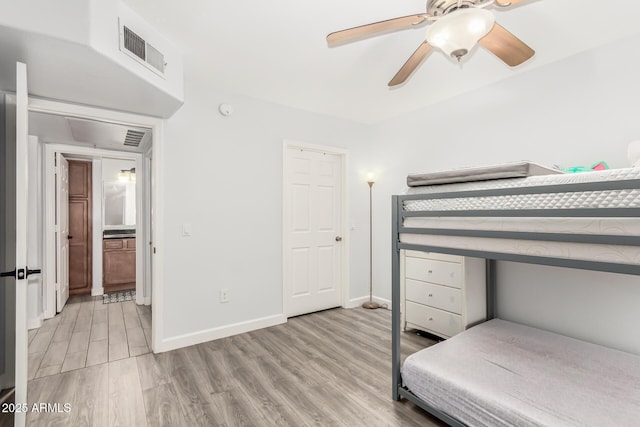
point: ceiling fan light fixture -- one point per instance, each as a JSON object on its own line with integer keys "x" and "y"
{"x": 458, "y": 32}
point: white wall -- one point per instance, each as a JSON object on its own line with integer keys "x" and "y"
{"x": 223, "y": 175}
{"x": 574, "y": 112}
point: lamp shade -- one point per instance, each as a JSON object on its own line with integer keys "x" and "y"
{"x": 458, "y": 32}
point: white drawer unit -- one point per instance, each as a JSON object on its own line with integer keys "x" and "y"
{"x": 442, "y": 294}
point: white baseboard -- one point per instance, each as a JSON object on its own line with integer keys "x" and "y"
{"x": 97, "y": 291}
{"x": 357, "y": 302}
{"x": 220, "y": 332}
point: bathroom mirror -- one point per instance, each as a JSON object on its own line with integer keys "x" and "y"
{"x": 119, "y": 204}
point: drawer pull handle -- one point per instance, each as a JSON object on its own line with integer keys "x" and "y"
{"x": 430, "y": 318}
{"x": 430, "y": 295}
{"x": 430, "y": 271}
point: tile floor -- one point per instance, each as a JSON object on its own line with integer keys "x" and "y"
{"x": 89, "y": 333}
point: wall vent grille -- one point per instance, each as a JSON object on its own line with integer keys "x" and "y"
{"x": 138, "y": 48}
{"x": 134, "y": 43}
{"x": 133, "y": 138}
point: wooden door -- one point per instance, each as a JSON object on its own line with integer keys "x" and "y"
{"x": 80, "y": 228}
{"x": 313, "y": 231}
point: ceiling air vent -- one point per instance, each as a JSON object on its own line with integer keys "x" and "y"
{"x": 141, "y": 50}
{"x": 133, "y": 138}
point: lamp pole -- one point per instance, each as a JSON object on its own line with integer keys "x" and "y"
{"x": 370, "y": 304}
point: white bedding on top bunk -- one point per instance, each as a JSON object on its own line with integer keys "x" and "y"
{"x": 584, "y": 251}
{"x": 504, "y": 374}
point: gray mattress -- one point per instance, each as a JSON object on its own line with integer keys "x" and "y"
{"x": 505, "y": 374}
{"x": 481, "y": 173}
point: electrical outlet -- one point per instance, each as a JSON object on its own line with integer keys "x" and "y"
{"x": 224, "y": 295}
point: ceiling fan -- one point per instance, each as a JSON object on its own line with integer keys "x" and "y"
{"x": 457, "y": 26}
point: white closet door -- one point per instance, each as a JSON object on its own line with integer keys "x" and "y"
{"x": 313, "y": 240}
{"x": 62, "y": 207}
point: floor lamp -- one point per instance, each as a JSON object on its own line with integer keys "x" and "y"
{"x": 370, "y": 304}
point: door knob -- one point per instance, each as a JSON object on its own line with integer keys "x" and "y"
{"x": 69, "y": 237}
{"x": 338, "y": 239}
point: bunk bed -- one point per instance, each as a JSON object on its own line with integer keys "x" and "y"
{"x": 500, "y": 373}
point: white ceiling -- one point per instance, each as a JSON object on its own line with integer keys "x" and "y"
{"x": 276, "y": 51}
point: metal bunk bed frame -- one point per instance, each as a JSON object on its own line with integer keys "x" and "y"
{"x": 400, "y": 213}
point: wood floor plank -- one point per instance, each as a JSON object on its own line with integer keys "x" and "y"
{"x": 132, "y": 321}
{"x": 116, "y": 317}
{"x": 98, "y": 352}
{"x": 41, "y": 342}
{"x": 63, "y": 332}
{"x": 32, "y": 334}
{"x": 83, "y": 323}
{"x": 219, "y": 373}
{"x": 260, "y": 387}
{"x": 234, "y": 409}
{"x": 162, "y": 407}
{"x": 144, "y": 312}
{"x": 79, "y": 342}
{"x": 33, "y": 364}
{"x": 126, "y": 405}
{"x": 40, "y": 390}
{"x": 100, "y": 316}
{"x": 99, "y": 331}
{"x": 90, "y": 406}
{"x": 151, "y": 372}
{"x": 194, "y": 395}
{"x": 137, "y": 342}
{"x": 118, "y": 351}
{"x": 74, "y": 361}
{"x": 54, "y": 355}
{"x": 50, "y": 324}
{"x": 49, "y": 370}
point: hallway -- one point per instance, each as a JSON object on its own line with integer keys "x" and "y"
{"x": 88, "y": 333}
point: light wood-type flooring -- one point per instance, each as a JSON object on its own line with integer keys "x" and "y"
{"x": 330, "y": 368}
{"x": 89, "y": 333}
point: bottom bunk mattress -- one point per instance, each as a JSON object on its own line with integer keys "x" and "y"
{"x": 500, "y": 373}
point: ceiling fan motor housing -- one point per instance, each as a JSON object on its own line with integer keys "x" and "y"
{"x": 437, "y": 8}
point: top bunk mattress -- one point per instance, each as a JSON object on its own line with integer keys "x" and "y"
{"x": 559, "y": 199}
{"x": 480, "y": 173}
{"x": 535, "y": 206}
{"x": 505, "y": 374}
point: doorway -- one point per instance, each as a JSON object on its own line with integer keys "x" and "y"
{"x": 315, "y": 244}
{"x": 92, "y": 327}
{"x": 138, "y": 148}
{"x": 80, "y": 209}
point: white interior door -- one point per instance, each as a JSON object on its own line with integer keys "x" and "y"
{"x": 62, "y": 235}
{"x": 14, "y": 171}
{"x": 313, "y": 231}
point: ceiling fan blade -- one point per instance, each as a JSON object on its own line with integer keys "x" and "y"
{"x": 506, "y": 46}
{"x": 374, "y": 28}
{"x": 412, "y": 63}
